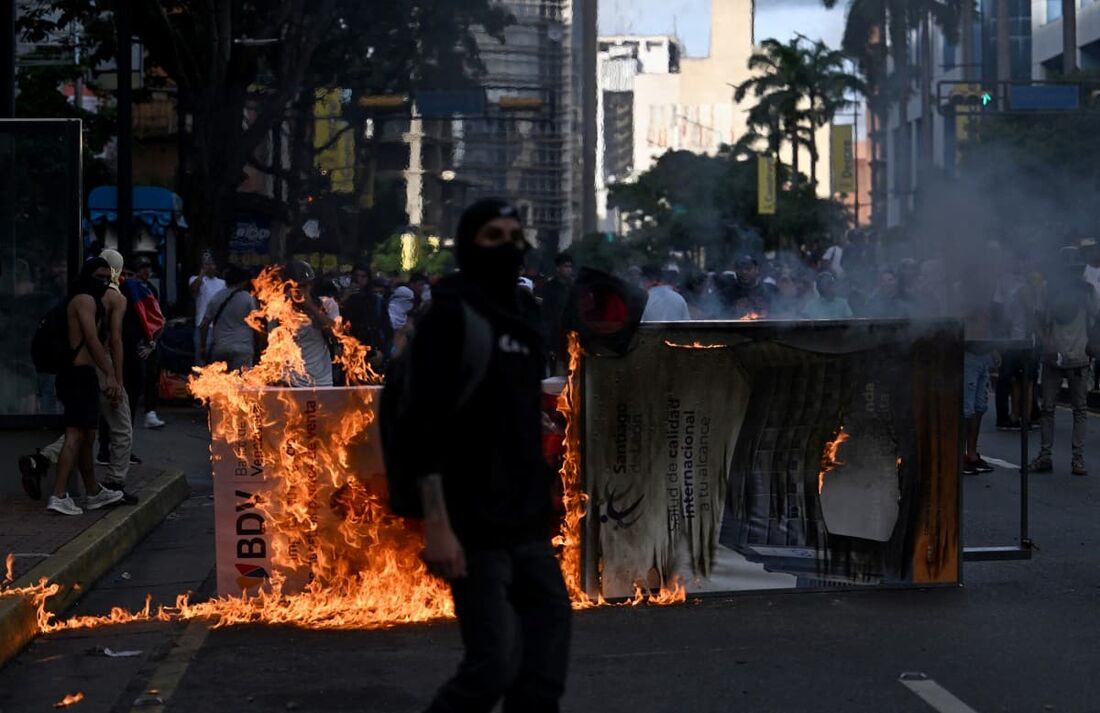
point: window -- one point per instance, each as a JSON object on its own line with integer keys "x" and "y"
{"x": 1054, "y": 10}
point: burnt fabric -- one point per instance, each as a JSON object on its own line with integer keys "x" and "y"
{"x": 514, "y": 615}
{"x": 497, "y": 485}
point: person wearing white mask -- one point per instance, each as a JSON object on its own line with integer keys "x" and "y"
{"x": 401, "y": 305}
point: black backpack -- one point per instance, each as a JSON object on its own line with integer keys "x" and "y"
{"x": 50, "y": 350}
{"x": 400, "y": 438}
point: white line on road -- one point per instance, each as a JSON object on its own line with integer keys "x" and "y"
{"x": 934, "y": 694}
{"x": 1001, "y": 463}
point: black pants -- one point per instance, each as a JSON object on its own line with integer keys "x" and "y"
{"x": 151, "y": 385}
{"x": 514, "y": 615}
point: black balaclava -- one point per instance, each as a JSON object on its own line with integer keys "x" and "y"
{"x": 87, "y": 283}
{"x": 496, "y": 270}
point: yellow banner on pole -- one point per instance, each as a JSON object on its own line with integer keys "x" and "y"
{"x": 842, "y": 150}
{"x": 766, "y": 192}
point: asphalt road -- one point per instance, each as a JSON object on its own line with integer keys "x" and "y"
{"x": 1019, "y": 636}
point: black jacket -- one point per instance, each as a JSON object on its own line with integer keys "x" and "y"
{"x": 497, "y": 485}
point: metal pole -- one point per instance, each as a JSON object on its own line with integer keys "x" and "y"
{"x": 1069, "y": 37}
{"x": 1025, "y": 429}
{"x": 855, "y": 160}
{"x": 123, "y": 27}
{"x": 7, "y": 59}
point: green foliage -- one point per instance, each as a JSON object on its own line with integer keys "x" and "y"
{"x": 706, "y": 207}
{"x": 432, "y": 260}
{"x": 605, "y": 252}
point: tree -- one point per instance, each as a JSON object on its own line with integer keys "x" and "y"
{"x": 241, "y": 69}
{"x": 799, "y": 89}
{"x": 705, "y": 209}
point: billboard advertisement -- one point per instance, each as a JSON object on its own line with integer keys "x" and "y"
{"x": 767, "y": 455}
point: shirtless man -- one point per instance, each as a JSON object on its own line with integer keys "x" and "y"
{"x": 78, "y": 389}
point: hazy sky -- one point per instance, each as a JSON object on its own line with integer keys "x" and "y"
{"x": 774, "y": 18}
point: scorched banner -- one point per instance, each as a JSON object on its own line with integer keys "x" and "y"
{"x": 766, "y": 455}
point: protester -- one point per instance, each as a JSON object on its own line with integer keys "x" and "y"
{"x": 87, "y": 373}
{"x": 886, "y": 301}
{"x": 485, "y": 487}
{"x": 1091, "y": 249}
{"x": 665, "y": 304}
{"x": 827, "y": 304}
{"x": 224, "y": 333}
{"x": 555, "y": 295}
{"x": 116, "y": 429}
{"x": 367, "y": 317}
{"x": 312, "y": 338}
{"x": 748, "y": 297}
{"x": 401, "y": 306}
{"x": 1071, "y": 304}
{"x": 833, "y": 258}
{"x": 1013, "y": 319}
{"x": 788, "y": 301}
{"x": 204, "y": 286}
{"x": 144, "y": 299}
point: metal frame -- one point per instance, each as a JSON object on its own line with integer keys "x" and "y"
{"x": 70, "y": 129}
{"x": 999, "y": 90}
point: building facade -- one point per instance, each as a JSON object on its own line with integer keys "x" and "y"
{"x": 535, "y": 142}
{"x": 1046, "y": 29}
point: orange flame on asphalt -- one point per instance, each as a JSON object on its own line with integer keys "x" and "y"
{"x": 829, "y": 460}
{"x": 70, "y": 699}
{"x": 695, "y": 345}
{"x": 750, "y": 317}
{"x": 369, "y": 574}
{"x": 9, "y": 568}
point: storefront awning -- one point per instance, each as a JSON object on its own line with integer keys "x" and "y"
{"x": 157, "y": 208}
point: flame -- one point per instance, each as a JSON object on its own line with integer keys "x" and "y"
{"x": 369, "y": 574}
{"x": 695, "y": 345}
{"x": 9, "y": 569}
{"x": 69, "y": 700}
{"x": 750, "y": 317}
{"x": 829, "y": 458}
{"x": 576, "y": 503}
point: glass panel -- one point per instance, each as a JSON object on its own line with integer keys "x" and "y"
{"x": 1054, "y": 10}
{"x": 38, "y": 225}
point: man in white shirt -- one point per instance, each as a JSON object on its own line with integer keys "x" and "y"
{"x": 204, "y": 286}
{"x": 1092, "y": 270}
{"x": 665, "y": 303}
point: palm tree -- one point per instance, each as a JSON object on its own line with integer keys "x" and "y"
{"x": 799, "y": 89}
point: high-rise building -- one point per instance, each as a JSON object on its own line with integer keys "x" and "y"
{"x": 535, "y": 144}
{"x": 1047, "y": 38}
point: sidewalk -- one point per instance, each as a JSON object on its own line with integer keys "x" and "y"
{"x": 78, "y": 550}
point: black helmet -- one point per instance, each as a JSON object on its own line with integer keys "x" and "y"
{"x": 299, "y": 271}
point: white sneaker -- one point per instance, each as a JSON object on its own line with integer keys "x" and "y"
{"x": 64, "y": 505}
{"x": 104, "y": 497}
{"x": 151, "y": 420}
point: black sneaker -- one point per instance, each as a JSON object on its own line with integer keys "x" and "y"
{"x": 102, "y": 459}
{"x": 32, "y": 468}
{"x": 979, "y": 464}
{"x": 127, "y": 498}
{"x": 134, "y": 460}
{"x": 968, "y": 468}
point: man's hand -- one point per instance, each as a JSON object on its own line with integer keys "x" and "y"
{"x": 442, "y": 552}
{"x": 112, "y": 390}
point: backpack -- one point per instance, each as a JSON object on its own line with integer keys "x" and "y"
{"x": 400, "y": 439}
{"x": 50, "y": 349}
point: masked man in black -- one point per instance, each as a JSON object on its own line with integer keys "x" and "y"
{"x": 484, "y": 485}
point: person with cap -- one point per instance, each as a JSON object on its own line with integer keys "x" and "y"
{"x": 87, "y": 379}
{"x": 1070, "y": 306}
{"x": 146, "y": 300}
{"x": 116, "y": 425}
{"x": 224, "y": 334}
{"x": 748, "y": 296}
{"x": 485, "y": 488}
{"x": 664, "y": 304}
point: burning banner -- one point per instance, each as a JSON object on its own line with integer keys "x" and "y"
{"x": 760, "y": 455}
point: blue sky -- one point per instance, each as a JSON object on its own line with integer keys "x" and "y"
{"x": 774, "y": 18}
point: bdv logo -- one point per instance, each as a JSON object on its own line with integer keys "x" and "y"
{"x": 509, "y": 345}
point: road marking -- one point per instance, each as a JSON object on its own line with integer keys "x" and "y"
{"x": 934, "y": 694}
{"x": 1001, "y": 463}
{"x": 166, "y": 678}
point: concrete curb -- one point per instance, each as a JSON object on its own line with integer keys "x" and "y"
{"x": 87, "y": 557}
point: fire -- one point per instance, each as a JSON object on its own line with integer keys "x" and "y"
{"x": 751, "y": 317}
{"x": 576, "y": 502}
{"x": 70, "y": 699}
{"x": 829, "y": 458}
{"x": 695, "y": 345}
{"x": 9, "y": 569}
{"x": 369, "y": 574}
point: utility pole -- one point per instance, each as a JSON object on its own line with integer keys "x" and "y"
{"x": 1069, "y": 37}
{"x": 124, "y": 63}
{"x": 7, "y": 59}
{"x": 1004, "y": 54}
